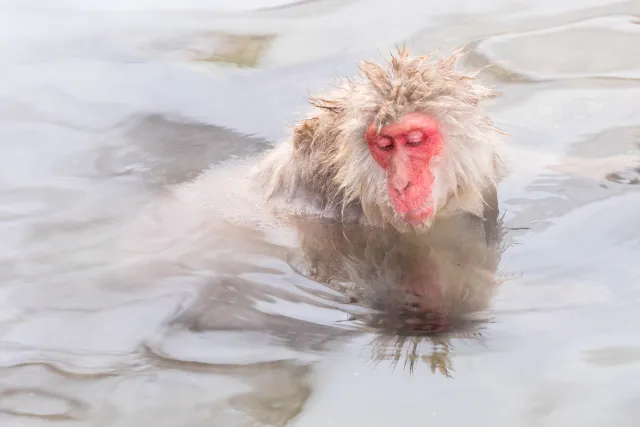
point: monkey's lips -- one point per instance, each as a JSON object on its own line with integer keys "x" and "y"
{"x": 414, "y": 207}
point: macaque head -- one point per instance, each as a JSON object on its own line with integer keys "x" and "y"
{"x": 403, "y": 143}
{"x": 419, "y": 140}
{"x": 414, "y": 141}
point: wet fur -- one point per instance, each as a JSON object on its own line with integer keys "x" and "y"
{"x": 326, "y": 163}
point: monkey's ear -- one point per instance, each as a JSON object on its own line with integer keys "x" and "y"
{"x": 304, "y": 132}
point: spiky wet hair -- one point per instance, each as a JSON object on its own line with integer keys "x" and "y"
{"x": 327, "y": 162}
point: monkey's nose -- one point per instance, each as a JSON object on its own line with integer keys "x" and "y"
{"x": 400, "y": 185}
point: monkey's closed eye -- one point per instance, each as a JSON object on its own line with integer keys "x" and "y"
{"x": 385, "y": 144}
{"x": 414, "y": 138}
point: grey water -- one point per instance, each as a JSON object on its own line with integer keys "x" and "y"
{"x": 104, "y": 104}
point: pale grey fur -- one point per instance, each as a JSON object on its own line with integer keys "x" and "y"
{"x": 327, "y": 164}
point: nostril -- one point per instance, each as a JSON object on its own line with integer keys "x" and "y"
{"x": 400, "y": 187}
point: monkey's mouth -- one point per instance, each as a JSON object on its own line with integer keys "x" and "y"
{"x": 418, "y": 216}
{"x": 414, "y": 212}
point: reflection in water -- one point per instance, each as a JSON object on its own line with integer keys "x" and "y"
{"x": 405, "y": 288}
{"x": 416, "y": 288}
{"x": 417, "y": 284}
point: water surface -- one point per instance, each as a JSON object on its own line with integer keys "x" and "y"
{"x": 105, "y": 104}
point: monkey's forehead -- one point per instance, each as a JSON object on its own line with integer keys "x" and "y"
{"x": 406, "y": 95}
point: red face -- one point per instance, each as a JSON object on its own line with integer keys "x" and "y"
{"x": 405, "y": 150}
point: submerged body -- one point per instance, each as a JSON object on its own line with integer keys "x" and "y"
{"x": 408, "y": 282}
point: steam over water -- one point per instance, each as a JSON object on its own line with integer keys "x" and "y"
{"x": 531, "y": 320}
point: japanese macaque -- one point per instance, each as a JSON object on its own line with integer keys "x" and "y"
{"x": 399, "y": 146}
{"x": 386, "y": 157}
{"x": 394, "y": 148}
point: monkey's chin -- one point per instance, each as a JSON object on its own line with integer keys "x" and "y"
{"x": 418, "y": 218}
